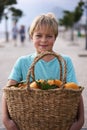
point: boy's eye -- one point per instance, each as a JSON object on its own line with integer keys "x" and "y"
{"x": 38, "y": 35}
{"x": 49, "y": 36}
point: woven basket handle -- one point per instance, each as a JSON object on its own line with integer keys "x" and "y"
{"x": 41, "y": 55}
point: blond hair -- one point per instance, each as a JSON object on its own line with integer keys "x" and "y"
{"x": 49, "y": 20}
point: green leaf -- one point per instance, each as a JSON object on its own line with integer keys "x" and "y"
{"x": 45, "y": 86}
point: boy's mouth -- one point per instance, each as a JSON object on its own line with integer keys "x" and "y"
{"x": 43, "y": 46}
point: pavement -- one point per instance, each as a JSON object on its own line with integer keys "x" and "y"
{"x": 76, "y": 50}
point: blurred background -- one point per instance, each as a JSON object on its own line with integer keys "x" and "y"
{"x": 71, "y": 15}
{"x": 16, "y": 17}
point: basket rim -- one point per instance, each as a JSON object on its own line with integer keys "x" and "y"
{"x": 34, "y": 89}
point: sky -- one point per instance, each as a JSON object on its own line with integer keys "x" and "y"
{"x": 32, "y": 8}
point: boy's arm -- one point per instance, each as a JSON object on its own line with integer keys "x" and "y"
{"x": 80, "y": 117}
{"x": 9, "y": 124}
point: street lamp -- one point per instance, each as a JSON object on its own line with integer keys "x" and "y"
{"x": 86, "y": 23}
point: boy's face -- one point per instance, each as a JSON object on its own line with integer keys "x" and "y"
{"x": 43, "y": 40}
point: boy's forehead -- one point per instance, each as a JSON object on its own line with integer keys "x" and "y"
{"x": 44, "y": 31}
{"x": 46, "y": 28}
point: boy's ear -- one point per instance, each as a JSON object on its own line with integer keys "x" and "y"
{"x": 30, "y": 37}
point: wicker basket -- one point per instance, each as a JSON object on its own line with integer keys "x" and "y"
{"x": 53, "y": 109}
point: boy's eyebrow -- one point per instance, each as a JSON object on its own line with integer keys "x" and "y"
{"x": 38, "y": 33}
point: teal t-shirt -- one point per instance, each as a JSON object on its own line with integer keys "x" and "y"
{"x": 43, "y": 70}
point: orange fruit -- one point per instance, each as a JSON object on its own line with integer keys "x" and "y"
{"x": 22, "y": 85}
{"x": 58, "y": 82}
{"x": 55, "y": 82}
{"x": 33, "y": 85}
{"x": 50, "y": 82}
{"x": 71, "y": 85}
{"x": 41, "y": 80}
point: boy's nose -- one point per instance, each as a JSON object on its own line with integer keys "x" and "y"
{"x": 44, "y": 39}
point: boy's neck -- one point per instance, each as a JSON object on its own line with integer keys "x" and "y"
{"x": 47, "y": 58}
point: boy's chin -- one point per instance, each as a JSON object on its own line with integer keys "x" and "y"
{"x": 42, "y": 51}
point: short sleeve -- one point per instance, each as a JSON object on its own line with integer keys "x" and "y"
{"x": 16, "y": 71}
{"x": 21, "y": 67}
{"x": 71, "y": 75}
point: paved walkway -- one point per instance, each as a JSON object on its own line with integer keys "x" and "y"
{"x": 9, "y": 53}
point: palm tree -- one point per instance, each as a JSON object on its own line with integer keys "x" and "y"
{"x": 4, "y": 4}
{"x": 70, "y": 18}
{"x": 16, "y": 13}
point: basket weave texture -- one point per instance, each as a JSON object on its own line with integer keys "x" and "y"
{"x": 36, "y": 109}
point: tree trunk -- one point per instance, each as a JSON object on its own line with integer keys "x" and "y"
{"x": 6, "y": 30}
{"x": 72, "y": 33}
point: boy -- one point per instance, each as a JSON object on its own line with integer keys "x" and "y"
{"x": 43, "y": 32}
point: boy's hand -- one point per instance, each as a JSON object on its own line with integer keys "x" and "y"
{"x": 75, "y": 126}
{"x": 11, "y": 125}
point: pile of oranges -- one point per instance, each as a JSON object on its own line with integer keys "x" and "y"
{"x": 48, "y": 84}
{"x": 56, "y": 83}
